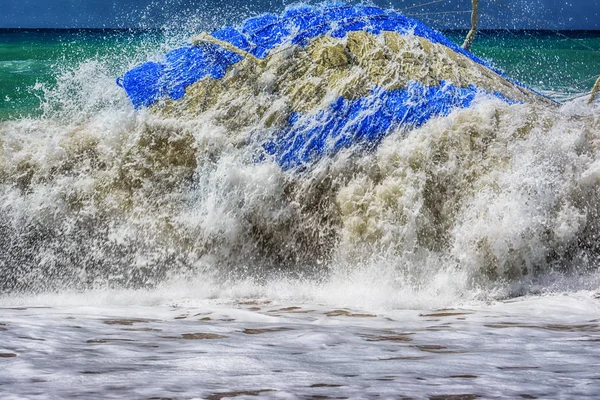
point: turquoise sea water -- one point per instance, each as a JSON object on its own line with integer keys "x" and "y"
{"x": 31, "y": 60}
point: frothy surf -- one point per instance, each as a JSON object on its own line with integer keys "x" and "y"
{"x": 491, "y": 201}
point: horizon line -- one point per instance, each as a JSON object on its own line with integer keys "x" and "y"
{"x": 160, "y": 29}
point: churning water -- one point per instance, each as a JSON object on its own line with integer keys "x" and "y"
{"x": 165, "y": 250}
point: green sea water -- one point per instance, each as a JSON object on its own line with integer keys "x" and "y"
{"x": 31, "y": 61}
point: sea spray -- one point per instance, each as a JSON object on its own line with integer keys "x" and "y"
{"x": 95, "y": 195}
{"x": 499, "y": 191}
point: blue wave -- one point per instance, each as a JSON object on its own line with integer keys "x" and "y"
{"x": 365, "y": 122}
{"x": 184, "y": 66}
{"x": 307, "y": 138}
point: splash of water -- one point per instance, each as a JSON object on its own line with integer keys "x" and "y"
{"x": 94, "y": 195}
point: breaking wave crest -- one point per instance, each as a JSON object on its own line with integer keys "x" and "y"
{"x": 479, "y": 203}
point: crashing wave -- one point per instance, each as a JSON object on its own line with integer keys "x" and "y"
{"x": 368, "y": 159}
{"x": 343, "y": 76}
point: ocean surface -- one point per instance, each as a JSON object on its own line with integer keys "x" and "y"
{"x": 143, "y": 255}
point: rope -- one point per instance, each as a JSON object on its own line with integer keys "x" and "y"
{"x": 422, "y": 5}
{"x": 441, "y": 12}
{"x": 595, "y": 91}
{"x": 208, "y": 38}
{"x": 543, "y": 25}
{"x": 579, "y": 96}
{"x": 432, "y": 20}
{"x": 574, "y": 85}
{"x": 574, "y": 97}
{"x": 474, "y": 23}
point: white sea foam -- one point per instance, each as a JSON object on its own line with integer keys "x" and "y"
{"x": 483, "y": 203}
{"x": 541, "y": 347}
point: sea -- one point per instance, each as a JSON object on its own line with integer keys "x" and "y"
{"x": 146, "y": 256}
